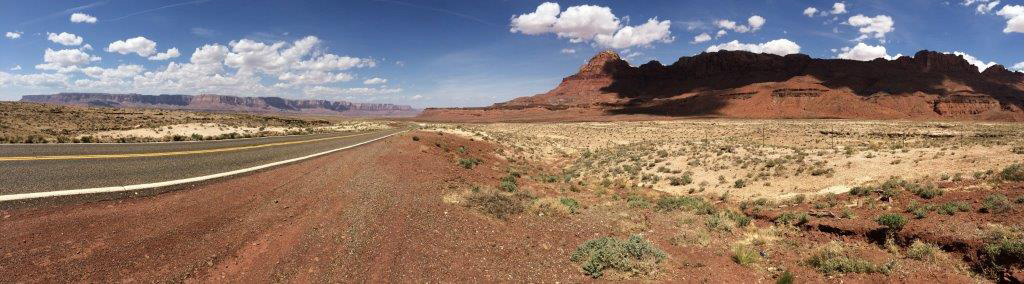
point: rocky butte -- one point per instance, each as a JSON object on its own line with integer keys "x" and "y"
{"x": 208, "y": 102}
{"x": 930, "y": 85}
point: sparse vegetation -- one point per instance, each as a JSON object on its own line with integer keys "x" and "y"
{"x": 633, "y": 257}
{"x": 995, "y": 203}
{"x": 835, "y": 259}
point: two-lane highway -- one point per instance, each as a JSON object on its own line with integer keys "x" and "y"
{"x": 32, "y": 171}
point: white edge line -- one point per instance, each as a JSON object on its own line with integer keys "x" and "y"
{"x": 134, "y": 187}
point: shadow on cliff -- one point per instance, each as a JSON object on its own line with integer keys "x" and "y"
{"x": 707, "y": 72}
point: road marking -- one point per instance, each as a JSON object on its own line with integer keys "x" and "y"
{"x": 175, "y": 153}
{"x": 35, "y": 195}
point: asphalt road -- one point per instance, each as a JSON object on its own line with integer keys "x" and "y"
{"x": 51, "y": 167}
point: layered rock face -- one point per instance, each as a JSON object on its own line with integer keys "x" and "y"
{"x": 225, "y": 103}
{"x": 929, "y": 85}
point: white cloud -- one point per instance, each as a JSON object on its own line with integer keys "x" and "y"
{"x": 1019, "y": 66}
{"x": 876, "y": 26}
{"x": 209, "y": 54}
{"x": 16, "y": 68}
{"x": 64, "y": 38}
{"x": 583, "y": 23}
{"x": 321, "y": 90}
{"x": 416, "y": 97}
{"x": 540, "y": 21}
{"x": 987, "y": 7}
{"x": 777, "y": 47}
{"x": 170, "y": 53}
{"x": 642, "y": 35}
{"x": 590, "y": 23}
{"x": 314, "y": 77}
{"x": 87, "y": 47}
{"x": 63, "y": 59}
{"x": 1014, "y": 15}
{"x": 982, "y": 65}
{"x": 701, "y": 38}
{"x": 838, "y": 8}
{"x": 33, "y": 80}
{"x": 82, "y": 18}
{"x": 138, "y": 45}
{"x": 375, "y": 80}
{"x": 864, "y": 52}
{"x": 720, "y": 33}
{"x": 810, "y": 11}
{"x": 568, "y": 51}
{"x": 13, "y": 35}
{"x": 754, "y": 23}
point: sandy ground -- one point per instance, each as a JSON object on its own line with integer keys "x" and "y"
{"x": 772, "y": 157}
{"x": 217, "y": 129}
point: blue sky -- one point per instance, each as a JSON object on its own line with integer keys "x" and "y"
{"x": 450, "y": 53}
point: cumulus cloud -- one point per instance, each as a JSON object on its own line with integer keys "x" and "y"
{"x": 1014, "y": 15}
{"x": 720, "y": 33}
{"x": 982, "y": 65}
{"x": 1019, "y": 66}
{"x": 64, "y": 38}
{"x": 170, "y": 53}
{"x": 568, "y": 51}
{"x": 586, "y": 23}
{"x": 864, "y": 52}
{"x": 810, "y": 11}
{"x": 13, "y": 35}
{"x": 82, "y": 18}
{"x": 241, "y": 67}
{"x": 777, "y": 47}
{"x": 701, "y": 38}
{"x": 642, "y": 35}
{"x": 138, "y": 45}
{"x": 985, "y": 8}
{"x": 838, "y": 8}
{"x": 754, "y": 23}
{"x": 16, "y": 68}
{"x": 876, "y": 26}
{"x": 209, "y": 54}
{"x": 62, "y": 60}
{"x": 375, "y": 81}
{"x": 321, "y": 90}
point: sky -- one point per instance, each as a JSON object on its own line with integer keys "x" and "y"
{"x": 451, "y": 53}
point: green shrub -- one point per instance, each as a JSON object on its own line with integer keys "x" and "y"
{"x": 740, "y": 219}
{"x": 740, "y": 183}
{"x": 469, "y": 162}
{"x": 636, "y": 256}
{"x": 892, "y": 222}
{"x": 922, "y": 251}
{"x": 785, "y": 278}
{"x": 508, "y": 183}
{"x": 697, "y": 204}
{"x": 1014, "y": 172}
{"x": 745, "y": 255}
{"x": 860, "y": 191}
{"x": 637, "y": 201}
{"x": 572, "y": 204}
{"x": 678, "y": 181}
{"x": 996, "y": 203}
{"x": 790, "y": 218}
{"x": 927, "y": 192}
{"x": 834, "y": 259}
{"x": 951, "y": 208}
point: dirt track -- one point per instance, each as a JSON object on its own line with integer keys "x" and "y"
{"x": 371, "y": 214}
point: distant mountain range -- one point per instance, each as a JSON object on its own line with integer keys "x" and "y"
{"x": 226, "y": 103}
{"x": 929, "y": 85}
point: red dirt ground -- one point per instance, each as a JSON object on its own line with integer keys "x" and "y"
{"x": 371, "y": 214}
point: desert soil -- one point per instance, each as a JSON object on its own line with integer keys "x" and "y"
{"x": 514, "y": 202}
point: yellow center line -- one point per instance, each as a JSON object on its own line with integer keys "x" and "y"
{"x": 175, "y": 153}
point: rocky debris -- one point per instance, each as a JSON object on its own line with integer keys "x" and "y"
{"x": 224, "y": 103}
